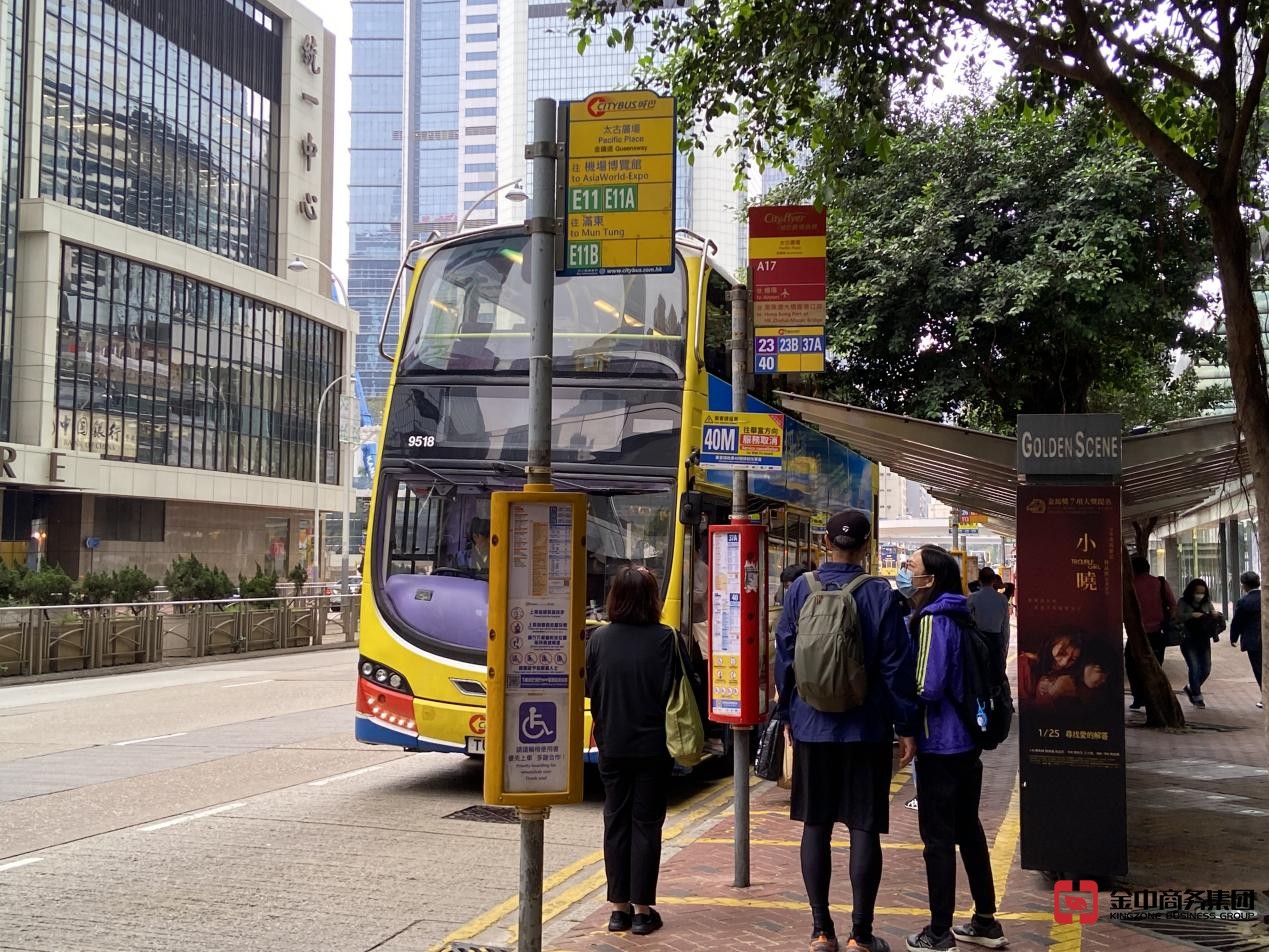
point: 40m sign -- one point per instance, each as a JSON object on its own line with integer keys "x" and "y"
{"x": 748, "y": 441}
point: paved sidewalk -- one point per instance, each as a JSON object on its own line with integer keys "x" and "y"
{"x": 1198, "y": 805}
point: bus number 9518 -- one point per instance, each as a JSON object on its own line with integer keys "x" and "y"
{"x": 415, "y": 442}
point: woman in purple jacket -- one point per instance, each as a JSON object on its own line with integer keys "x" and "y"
{"x": 949, "y": 773}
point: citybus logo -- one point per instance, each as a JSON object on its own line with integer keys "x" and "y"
{"x": 600, "y": 106}
{"x": 784, "y": 219}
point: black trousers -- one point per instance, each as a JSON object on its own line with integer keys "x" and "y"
{"x": 635, "y": 791}
{"x": 949, "y": 787}
{"x": 1253, "y": 655}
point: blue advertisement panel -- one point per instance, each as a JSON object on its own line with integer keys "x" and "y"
{"x": 819, "y": 474}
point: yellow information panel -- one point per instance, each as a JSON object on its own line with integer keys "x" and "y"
{"x": 619, "y": 185}
{"x": 536, "y": 658}
{"x": 748, "y": 441}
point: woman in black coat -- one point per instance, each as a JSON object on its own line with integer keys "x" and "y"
{"x": 1203, "y": 625}
{"x": 630, "y": 666}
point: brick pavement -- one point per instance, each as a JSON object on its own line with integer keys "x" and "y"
{"x": 1198, "y": 818}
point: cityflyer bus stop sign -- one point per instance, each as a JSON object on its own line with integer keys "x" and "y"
{"x": 745, "y": 441}
{"x": 537, "y": 586}
{"x": 618, "y": 188}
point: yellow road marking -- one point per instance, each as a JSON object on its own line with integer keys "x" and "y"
{"x": 1066, "y": 938}
{"x": 1005, "y": 845}
{"x": 495, "y": 914}
{"x": 839, "y": 844}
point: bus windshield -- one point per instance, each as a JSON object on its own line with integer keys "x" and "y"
{"x": 437, "y": 566}
{"x": 471, "y": 315}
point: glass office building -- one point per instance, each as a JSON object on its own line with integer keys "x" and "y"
{"x": 166, "y": 117}
{"x": 156, "y": 367}
{"x": 12, "y": 41}
{"x": 168, "y": 380}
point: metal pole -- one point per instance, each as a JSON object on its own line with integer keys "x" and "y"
{"x": 317, "y": 493}
{"x": 345, "y": 597}
{"x": 317, "y": 481}
{"x": 542, "y": 226}
{"x": 739, "y": 297}
{"x": 543, "y": 152}
{"x": 532, "y": 838}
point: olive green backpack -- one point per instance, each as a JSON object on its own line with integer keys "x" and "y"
{"x": 828, "y": 656}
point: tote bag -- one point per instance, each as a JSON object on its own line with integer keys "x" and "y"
{"x": 684, "y": 732}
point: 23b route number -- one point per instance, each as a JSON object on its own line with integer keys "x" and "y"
{"x": 417, "y": 441}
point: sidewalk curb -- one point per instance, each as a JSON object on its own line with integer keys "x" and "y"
{"x": 169, "y": 664}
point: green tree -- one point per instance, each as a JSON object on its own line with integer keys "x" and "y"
{"x": 189, "y": 579}
{"x": 261, "y": 585}
{"x": 48, "y": 585}
{"x": 816, "y": 77}
{"x": 132, "y": 585}
{"x": 95, "y": 588}
{"x": 996, "y": 265}
{"x": 298, "y": 575}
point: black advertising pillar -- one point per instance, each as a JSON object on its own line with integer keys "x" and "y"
{"x": 1070, "y": 645}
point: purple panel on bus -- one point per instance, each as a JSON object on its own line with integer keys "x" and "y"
{"x": 448, "y": 608}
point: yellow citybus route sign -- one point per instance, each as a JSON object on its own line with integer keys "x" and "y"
{"x": 619, "y": 185}
{"x": 536, "y": 657}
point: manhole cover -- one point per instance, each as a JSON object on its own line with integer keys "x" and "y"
{"x": 483, "y": 814}
{"x": 473, "y": 947}
{"x": 1224, "y": 936}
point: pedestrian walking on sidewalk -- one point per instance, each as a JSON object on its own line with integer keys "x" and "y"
{"x": 842, "y": 758}
{"x": 630, "y": 669}
{"x": 949, "y": 770}
{"x": 1203, "y": 625}
{"x": 1244, "y": 627}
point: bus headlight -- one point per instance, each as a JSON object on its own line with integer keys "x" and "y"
{"x": 383, "y": 675}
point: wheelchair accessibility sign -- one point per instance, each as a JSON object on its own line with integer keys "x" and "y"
{"x": 537, "y": 722}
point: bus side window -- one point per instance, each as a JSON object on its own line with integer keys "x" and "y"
{"x": 717, "y": 326}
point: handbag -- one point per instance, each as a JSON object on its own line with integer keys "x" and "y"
{"x": 769, "y": 761}
{"x": 1173, "y": 630}
{"x": 786, "y": 768}
{"x": 684, "y": 731}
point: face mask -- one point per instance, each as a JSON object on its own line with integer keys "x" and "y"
{"x": 903, "y": 579}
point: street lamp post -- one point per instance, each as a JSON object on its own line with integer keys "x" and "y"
{"x": 317, "y": 486}
{"x": 517, "y": 194}
{"x": 298, "y": 265}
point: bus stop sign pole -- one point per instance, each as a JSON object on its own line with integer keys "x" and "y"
{"x": 740, "y": 735}
{"x": 544, "y": 153}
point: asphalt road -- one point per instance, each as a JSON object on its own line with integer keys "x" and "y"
{"x": 225, "y": 806}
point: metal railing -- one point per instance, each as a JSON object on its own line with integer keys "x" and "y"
{"x": 39, "y": 640}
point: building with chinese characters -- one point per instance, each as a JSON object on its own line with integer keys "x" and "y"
{"x": 162, "y": 366}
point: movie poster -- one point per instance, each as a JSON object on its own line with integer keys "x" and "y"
{"x": 1071, "y": 679}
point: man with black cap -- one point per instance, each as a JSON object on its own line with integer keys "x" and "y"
{"x": 842, "y": 761}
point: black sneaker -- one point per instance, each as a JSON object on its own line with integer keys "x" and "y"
{"x": 646, "y": 925}
{"x": 620, "y": 921}
{"x": 1134, "y": 706}
{"x": 925, "y": 939}
{"x": 1198, "y": 701}
{"x": 981, "y": 932}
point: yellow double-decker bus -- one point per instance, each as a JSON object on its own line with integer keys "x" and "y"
{"x": 635, "y": 358}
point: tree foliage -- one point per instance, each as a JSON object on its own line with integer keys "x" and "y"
{"x": 997, "y": 265}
